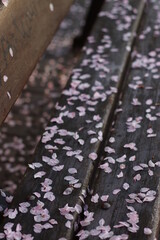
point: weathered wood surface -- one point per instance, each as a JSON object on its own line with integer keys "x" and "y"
{"x": 26, "y": 28}
{"x": 68, "y": 151}
{"x": 134, "y": 171}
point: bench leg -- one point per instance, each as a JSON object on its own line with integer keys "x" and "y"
{"x": 90, "y": 20}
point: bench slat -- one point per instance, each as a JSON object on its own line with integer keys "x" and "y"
{"x": 137, "y": 174}
{"x": 75, "y": 132}
{"x": 26, "y": 28}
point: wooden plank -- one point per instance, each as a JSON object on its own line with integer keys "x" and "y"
{"x": 59, "y": 59}
{"x": 26, "y": 28}
{"x": 130, "y": 175}
{"x": 73, "y": 138}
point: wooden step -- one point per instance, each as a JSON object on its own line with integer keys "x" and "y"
{"x": 26, "y": 29}
{"x": 125, "y": 198}
{"x": 69, "y": 149}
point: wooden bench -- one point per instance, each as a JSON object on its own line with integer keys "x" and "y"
{"x": 93, "y": 169}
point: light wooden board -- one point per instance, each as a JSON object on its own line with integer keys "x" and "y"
{"x": 26, "y": 27}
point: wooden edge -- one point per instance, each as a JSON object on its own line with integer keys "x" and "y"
{"x": 26, "y": 29}
{"x": 156, "y": 217}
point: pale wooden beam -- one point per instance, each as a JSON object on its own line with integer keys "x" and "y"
{"x": 26, "y": 29}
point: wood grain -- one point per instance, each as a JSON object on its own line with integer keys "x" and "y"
{"x": 26, "y": 27}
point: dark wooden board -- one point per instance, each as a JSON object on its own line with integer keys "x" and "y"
{"x": 37, "y": 100}
{"x": 26, "y": 28}
{"x": 90, "y": 96}
{"x": 142, "y": 83}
